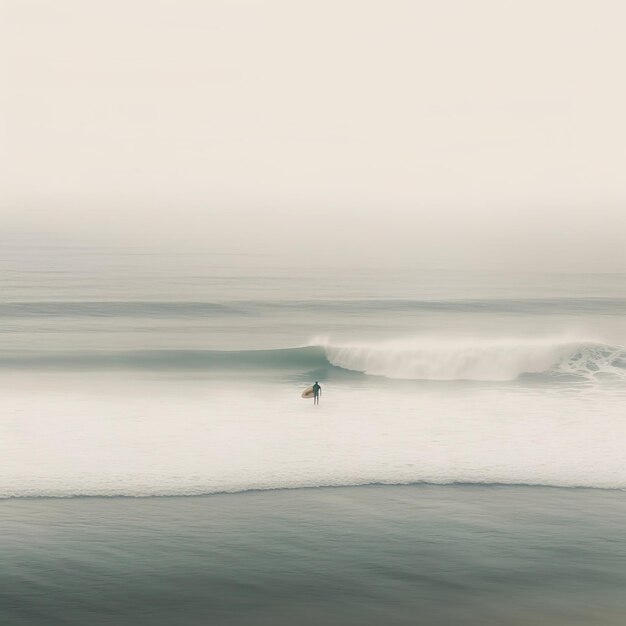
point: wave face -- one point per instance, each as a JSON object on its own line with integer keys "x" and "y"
{"x": 415, "y": 359}
{"x": 290, "y": 359}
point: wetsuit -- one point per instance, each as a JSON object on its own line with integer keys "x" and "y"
{"x": 316, "y": 393}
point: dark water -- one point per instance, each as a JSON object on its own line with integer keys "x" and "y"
{"x": 483, "y": 555}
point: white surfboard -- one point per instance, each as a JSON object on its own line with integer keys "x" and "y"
{"x": 308, "y": 392}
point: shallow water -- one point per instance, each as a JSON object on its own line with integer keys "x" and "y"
{"x": 483, "y": 555}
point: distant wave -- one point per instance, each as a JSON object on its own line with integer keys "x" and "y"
{"x": 413, "y": 359}
{"x": 159, "y": 491}
{"x": 291, "y": 359}
{"x": 149, "y": 309}
{"x": 117, "y": 309}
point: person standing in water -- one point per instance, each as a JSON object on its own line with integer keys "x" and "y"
{"x": 317, "y": 392}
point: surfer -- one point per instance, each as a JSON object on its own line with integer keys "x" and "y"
{"x": 317, "y": 392}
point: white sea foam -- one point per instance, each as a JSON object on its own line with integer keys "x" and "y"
{"x": 486, "y": 359}
{"x": 164, "y": 437}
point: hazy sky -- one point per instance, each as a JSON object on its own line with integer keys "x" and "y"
{"x": 439, "y": 131}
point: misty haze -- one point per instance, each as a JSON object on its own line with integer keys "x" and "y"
{"x": 313, "y": 313}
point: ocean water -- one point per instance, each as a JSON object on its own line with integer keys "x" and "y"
{"x": 371, "y": 555}
{"x": 142, "y": 373}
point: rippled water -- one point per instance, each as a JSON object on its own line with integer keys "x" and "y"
{"x": 350, "y": 556}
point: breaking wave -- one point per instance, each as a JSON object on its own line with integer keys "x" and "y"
{"x": 414, "y": 359}
{"x": 486, "y": 360}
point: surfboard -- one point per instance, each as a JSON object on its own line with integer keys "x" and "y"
{"x": 308, "y": 392}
